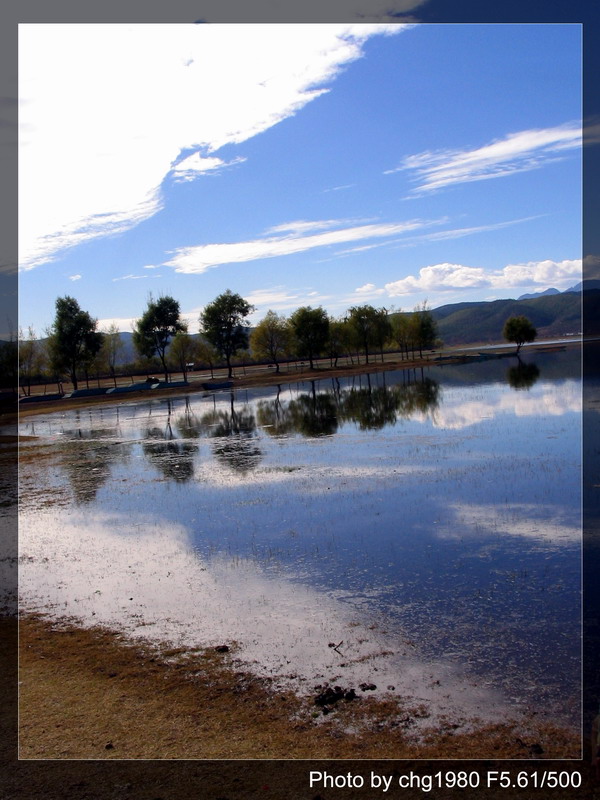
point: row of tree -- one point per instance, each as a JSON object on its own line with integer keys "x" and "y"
{"x": 74, "y": 346}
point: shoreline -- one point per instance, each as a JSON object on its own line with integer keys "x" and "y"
{"x": 267, "y": 377}
{"x": 90, "y": 693}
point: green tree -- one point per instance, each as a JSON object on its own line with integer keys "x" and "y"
{"x": 310, "y": 327}
{"x": 363, "y": 320}
{"x": 74, "y": 340}
{"x": 401, "y": 332}
{"x": 223, "y": 323}
{"x": 111, "y": 348}
{"x": 271, "y": 338}
{"x": 207, "y": 354}
{"x": 159, "y": 323}
{"x": 425, "y": 328}
{"x": 337, "y": 341}
{"x": 519, "y": 330}
{"x": 383, "y": 330}
{"x": 182, "y": 351}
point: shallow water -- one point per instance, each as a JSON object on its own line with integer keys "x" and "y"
{"x": 426, "y": 522}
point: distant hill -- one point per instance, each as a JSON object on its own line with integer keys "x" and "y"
{"x": 539, "y": 294}
{"x": 127, "y": 354}
{"x": 469, "y": 323}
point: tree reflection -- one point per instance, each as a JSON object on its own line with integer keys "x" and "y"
{"x": 188, "y": 425}
{"x": 234, "y": 433}
{"x": 174, "y": 458}
{"x": 421, "y": 397}
{"x": 314, "y": 414}
{"x": 523, "y": 376}
{"x": 88, "y": 467}
{"x": 371, "y": 407}
{"x": 274, "y": 417}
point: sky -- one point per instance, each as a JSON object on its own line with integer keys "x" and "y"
{"x": 299, "y": 164}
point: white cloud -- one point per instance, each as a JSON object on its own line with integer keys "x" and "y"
{"x": 449, "y": 277}
{"x": 198, "y": 259}
{"x": 192, "y": 166}
{"x": 301, "y": 226}
{"x": 281, "y": 299}
{"x": 369, "y": 289}
{"x": 130, "y": 278}
{"x": 100, "y": 134}
{"x": 340, "y": 188}
{"x": 124, "y": 324}
{"x": 454, "y": 233}
{"x": 517, "y": 152}
{"x": 74, "y": 277}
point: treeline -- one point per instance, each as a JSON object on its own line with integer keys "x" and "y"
{"x": 75, "y": 349}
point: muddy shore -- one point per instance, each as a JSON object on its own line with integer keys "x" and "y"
{"x": 91, "y": 694}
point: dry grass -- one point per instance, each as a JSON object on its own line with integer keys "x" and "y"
{"x": 88, "y": 694}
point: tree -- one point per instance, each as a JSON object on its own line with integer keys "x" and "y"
{"x": 364, "y": 321}
{"x": 519, "y": 330}
{"x": 223, "y": 323}
{"x": 401, "y": 332}
{"x": 156, "y": 327}
{"x": 310, "y": 327}
{"x": 207, "y": 354}
{"x": 337, "y": 340}
{"x": 383, "y": 329}
{"x": 111, "y": 347}
{"x": 425, "y": 328}
{"x": 74, "y": 340}
{"x": 182, "y": 351}
{"x": 271, "y": 338}
{"x": 31, "y": 358}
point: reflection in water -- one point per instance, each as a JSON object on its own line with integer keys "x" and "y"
{"x": 87, "y": 462}
{"x": 173, "y": 458}
{"x": 370, "y": 407}
{"x": 523, "y": 376}
{"x": 234, "y": 433}
{"x": 457, "y": 530}
{"x": 313, "y": 414}
{"x": 151, "y": 584}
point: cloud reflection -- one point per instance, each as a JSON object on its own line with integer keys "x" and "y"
{"x": 144, "y": 578}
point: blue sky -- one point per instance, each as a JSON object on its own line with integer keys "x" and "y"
{"x": 296, "y": 164}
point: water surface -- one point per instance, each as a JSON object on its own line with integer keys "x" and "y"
{"x": 427, "y": 522}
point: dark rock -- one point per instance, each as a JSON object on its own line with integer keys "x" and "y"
{"x": 367, "y": 687}
{"x": 222, "y": 648}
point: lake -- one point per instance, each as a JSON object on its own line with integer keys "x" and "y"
{"x": 425, "y": 522}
